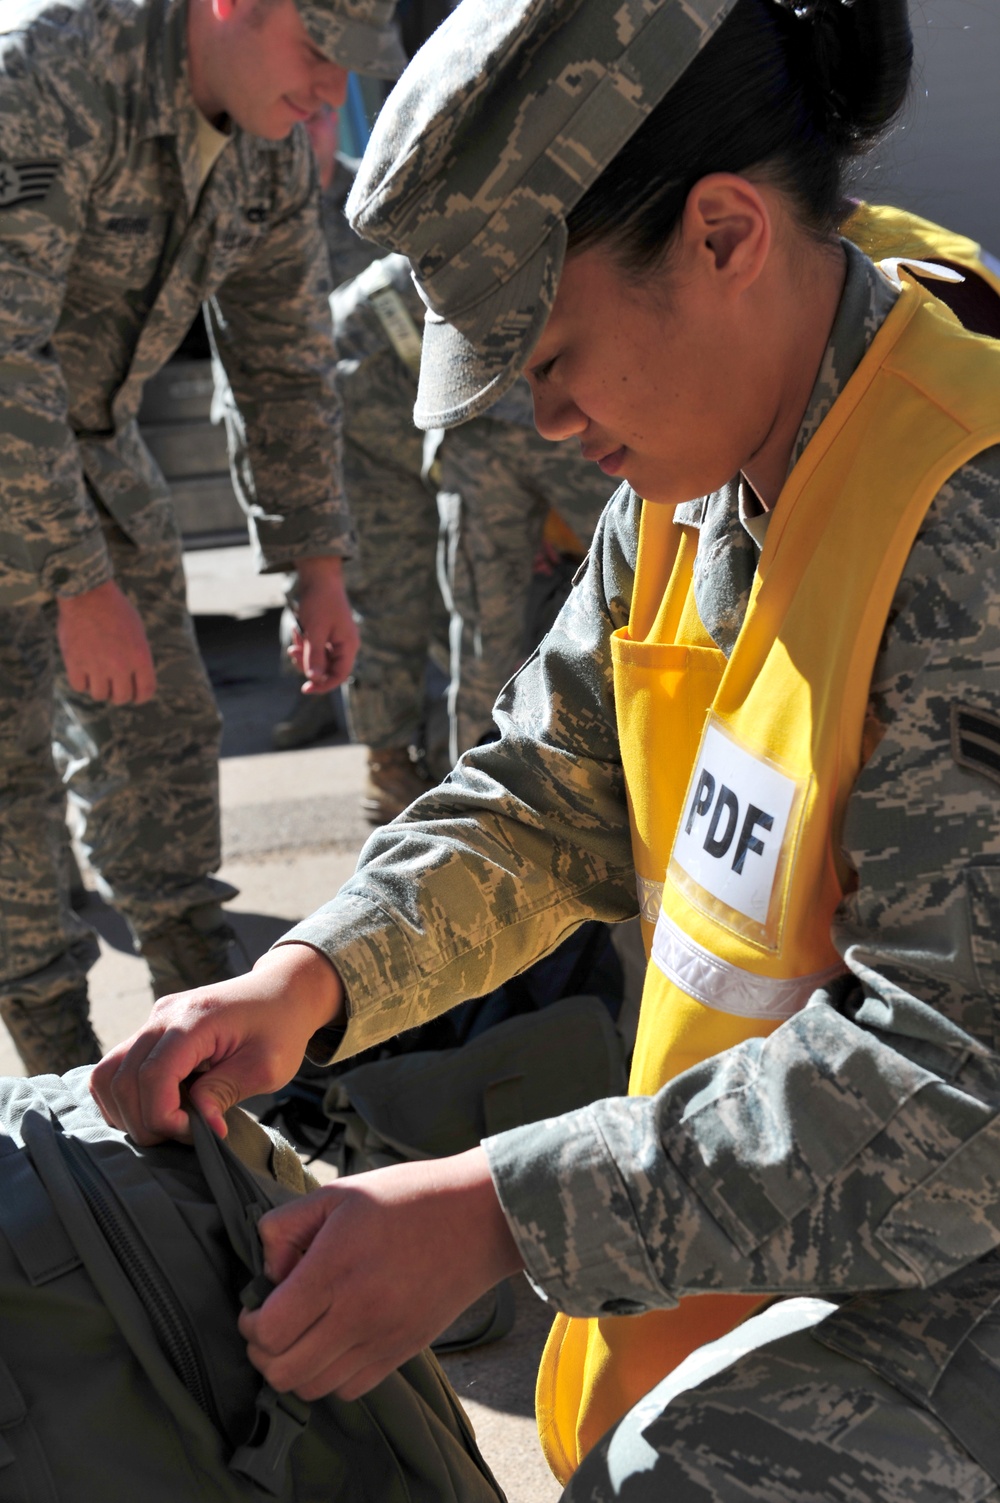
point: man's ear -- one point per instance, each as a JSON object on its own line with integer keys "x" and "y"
{"x": 727, "y": 223}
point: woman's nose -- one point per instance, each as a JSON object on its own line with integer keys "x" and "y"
{"x": 556, "y": 415}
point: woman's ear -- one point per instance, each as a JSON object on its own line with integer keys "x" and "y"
{"x": 727, "y": 226}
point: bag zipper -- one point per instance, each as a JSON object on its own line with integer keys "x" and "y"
{"x": 166, "y": 1315}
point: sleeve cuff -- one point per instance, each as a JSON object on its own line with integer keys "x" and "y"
{"x": 571, "y": 1216}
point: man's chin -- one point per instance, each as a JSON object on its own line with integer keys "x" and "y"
{"x": 272, "y": 126}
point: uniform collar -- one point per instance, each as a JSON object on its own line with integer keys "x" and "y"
{"x": 165, "y": 105}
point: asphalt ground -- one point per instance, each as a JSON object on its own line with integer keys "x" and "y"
{"x": 292, "y": 829}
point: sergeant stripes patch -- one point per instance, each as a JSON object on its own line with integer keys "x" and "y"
{"x": 26, "y": 182}
{"x": 975, "y": 740}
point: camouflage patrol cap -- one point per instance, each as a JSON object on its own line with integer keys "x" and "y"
{"x": 496, "y": 130}
{"x": 358, "y": 34}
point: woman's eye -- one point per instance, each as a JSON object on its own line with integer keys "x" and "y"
{"x": 541, "y": 372}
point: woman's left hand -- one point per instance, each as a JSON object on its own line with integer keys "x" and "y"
{"x": 372, "y": 1269}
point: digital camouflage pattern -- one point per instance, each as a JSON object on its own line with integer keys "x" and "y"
{"x": 472, "y": 169}
{"x": 828, "y": 1427}
{"x": 496, "y": 481}
{"x": 358, "y": 34}
{"x": 101, "y": 278}
{"x": 143, "y": 779}
{"x": 392, "y": 580}
{"x": 109, "y": 243}
{"x": 854, "y": 1150}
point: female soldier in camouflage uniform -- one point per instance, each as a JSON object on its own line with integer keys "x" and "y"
{"x": 797, "y": 686}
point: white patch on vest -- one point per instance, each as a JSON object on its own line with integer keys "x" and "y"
{"x": 733, "y": 825}
{"x": 650, "y": 895}
{"x": 726, "y": 987}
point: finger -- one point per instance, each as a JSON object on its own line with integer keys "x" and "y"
{"x": 144, "y": 682}
{"x": 112, "y": 1082}
{"x": 148, "y": 1086}
{"x": 287, "y": 1232}
{"x": 313, "y": 657}
{"x": 123, "y": 689}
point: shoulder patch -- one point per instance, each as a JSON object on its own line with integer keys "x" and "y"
{"x": 26, "y": 182}
{"x": 975, "y": 740}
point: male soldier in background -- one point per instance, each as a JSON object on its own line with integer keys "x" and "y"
{"x": 148, "y": 163}
{"x": 495, "y": 480}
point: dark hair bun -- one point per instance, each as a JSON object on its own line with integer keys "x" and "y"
{"x": 796, "y": 87}
{"x": 860, "y": 54}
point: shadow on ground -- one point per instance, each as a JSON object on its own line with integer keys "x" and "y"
{"x": 255, "y": 932}
{"x": 243, "y": 659}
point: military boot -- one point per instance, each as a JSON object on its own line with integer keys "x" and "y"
{"x": 312, "y": 717}
{"x": 193, "y": 950}
{"x": 55, "y": 1036}
{"x": 396, "y": 776}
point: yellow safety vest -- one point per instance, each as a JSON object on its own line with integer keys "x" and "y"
{"x": 738, "y": 772}
{"x": 883, "y": 232}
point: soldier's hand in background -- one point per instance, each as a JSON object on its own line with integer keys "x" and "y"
{"x": 326, "y": 643}
{"x": 104, "y": 647}
{"x": 239, "y": 1038}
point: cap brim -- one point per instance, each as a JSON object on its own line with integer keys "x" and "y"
{"x": 469, "y": 363}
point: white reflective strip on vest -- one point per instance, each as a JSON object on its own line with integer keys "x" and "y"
{"x": 726, "y": 987}
{"x": 650, "y": 895}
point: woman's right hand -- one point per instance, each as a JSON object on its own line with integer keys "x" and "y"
{"x": 243, "y": 1037}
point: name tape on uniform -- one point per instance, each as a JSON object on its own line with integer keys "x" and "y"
{"x": 733, "y": 826}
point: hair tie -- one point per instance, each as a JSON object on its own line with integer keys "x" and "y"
{"x": 805, "y": 10}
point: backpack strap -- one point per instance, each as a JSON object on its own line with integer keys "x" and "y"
{"x": 28, "y": 1220}
{"x": 280, "y": 1417}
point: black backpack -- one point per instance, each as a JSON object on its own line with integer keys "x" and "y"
{"x": 123, "y": 1376}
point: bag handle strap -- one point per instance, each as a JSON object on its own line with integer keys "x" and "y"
{"x": 280, "y": 1418}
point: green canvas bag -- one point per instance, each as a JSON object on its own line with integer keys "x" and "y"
{"x": 442, "y": 1101}
{"x": 122, "y": 1373}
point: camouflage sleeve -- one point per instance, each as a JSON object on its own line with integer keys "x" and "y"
{"x": 53, "y": 137}
{"x": 271, "y": 330}
{"x": 858, "y": 1146}
{"x": 526, "y": 839}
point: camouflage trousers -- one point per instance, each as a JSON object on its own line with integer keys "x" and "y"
{"x": 496, "y": 482}
{"x": 768, "y": 1415}
{"x": 392, "y": 579}
{"x": 394, "y": 591}
{"x": 142, "y": 779}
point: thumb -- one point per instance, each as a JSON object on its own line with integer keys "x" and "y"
{"x": 286, "y": 1233}
{"x": 214, "y": 1093}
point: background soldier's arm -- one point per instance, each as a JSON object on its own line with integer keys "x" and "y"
{"x": 271, "y": 329}
{"x": 53, "y": 132}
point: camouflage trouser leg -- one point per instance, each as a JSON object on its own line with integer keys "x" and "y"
{"x": 778, "y": 1418}
{"x": 393, "y": 588}
{"x": 497, "y": 482}
{"x": 144, "y": 779}
{"x": 44, "y": 948}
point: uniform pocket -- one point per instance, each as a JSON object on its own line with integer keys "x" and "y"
{"x": 120, "y": 251}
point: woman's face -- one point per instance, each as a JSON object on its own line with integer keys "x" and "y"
{"x": 652, "y": 377}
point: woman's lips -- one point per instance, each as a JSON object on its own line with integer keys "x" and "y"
{"x": 612, "y": 463}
